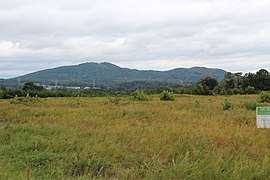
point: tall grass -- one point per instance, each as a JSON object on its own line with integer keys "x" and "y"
{"x": 58, "y": 139}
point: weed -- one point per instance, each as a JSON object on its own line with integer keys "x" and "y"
{"x": 93, "y": 167}
{"x": 250, "y": 105}
{"x": 140, "y": 96}
{"x": 264, "y": 97}
{"x": 115, "y": 99}
{"x": 25, "y": 100}
{"x": 78, "y": 100}
{"x": 227, "y": 104}
{"x": 167, "y": 96}
{"x": 197, "y": 103}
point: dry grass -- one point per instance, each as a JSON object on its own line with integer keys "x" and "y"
{"x": 96, "y": 138}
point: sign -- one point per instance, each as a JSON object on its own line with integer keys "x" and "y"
{"x": 263, "y": 117}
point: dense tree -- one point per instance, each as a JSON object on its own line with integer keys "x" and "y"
{"x": 202, "y": 90}
{"x": 210, "y": 82}
{"x": 262, "y": 80}
{"x": 30, "y": 86}
{"x": 238, "y": 79}
{"x": 249, "y": 79}
{"x": 229, "y": 81}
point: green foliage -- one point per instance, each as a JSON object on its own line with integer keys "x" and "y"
{"x": 264, "y": 97}
{"x": 24, "y": 100}
{"x": 93, "y": 167}
{"x": 30, "y": 86}
{"x": 167, "y": 96}
{"x": 108, "y": 74}
{"x": 139, "y": 95}
{"x": 227, "y": 104}
{"x": 229, "y": 81}
{"x": 262, "y": 80}
{"x": 250, "y": 90}
{"x": 202, "y": 90}
{"x": 209, "y": 82}
{"x": 236, "y": 91}
{"x": 250, "y": 105}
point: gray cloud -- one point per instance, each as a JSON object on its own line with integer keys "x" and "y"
{"x": 150, "y": 34}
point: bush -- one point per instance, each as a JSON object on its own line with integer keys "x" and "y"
{"x": 227, "y": 104}
{"x": 264, "y": 97}
{"x": 250, "y": 105}
{"x": 167, "y": 96}
{"x": 236, "y": 91}
{"x": 250, "y": 90}
{"x": 202, "y": 90}
{"x": 140, "y": 96}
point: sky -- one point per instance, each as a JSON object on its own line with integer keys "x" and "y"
{"x": 142, "y": 34}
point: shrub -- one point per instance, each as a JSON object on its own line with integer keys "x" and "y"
{"x": 167, "y": 96}
{"x": 250, "y": 105}
{"x": 202, "y": 90}
{"x": 227, "y": 104}
{"x": 250, "y": 90}
{"x": 140, "y": 96}
{"x": 236, "y": 91}
{"x": 264, "y": 97}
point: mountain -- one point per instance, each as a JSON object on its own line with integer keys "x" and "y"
{"x": 107, "y": 74}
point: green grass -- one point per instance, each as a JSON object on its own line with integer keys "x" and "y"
{"x": 84, "y": 138}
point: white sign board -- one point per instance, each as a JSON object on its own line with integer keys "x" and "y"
{"x": 263, "y": 117}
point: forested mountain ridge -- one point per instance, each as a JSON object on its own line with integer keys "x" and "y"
{"x": 106, "y": 72}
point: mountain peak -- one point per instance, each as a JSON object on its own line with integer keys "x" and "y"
{"x": 106, "y": 72}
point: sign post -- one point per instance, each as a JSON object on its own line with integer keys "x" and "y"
{"x": 263, "y": 117}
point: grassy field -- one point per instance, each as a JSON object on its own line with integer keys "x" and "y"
{"x": 84, "y": 138}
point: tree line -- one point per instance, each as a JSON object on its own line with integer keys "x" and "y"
{"x": 232, "y": 83}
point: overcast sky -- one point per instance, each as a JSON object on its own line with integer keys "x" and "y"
{"x": 146, "y": 34}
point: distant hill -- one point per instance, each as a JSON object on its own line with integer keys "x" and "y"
{"x": 106, "y": 73}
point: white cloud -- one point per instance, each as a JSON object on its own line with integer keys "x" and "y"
{"x": 149, "y": 34}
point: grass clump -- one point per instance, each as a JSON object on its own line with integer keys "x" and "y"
{"x": 227, "y": 104}
{"x": 167, "y": 96}
{"x": 250, "y": 105}
{"x": 197, "y": 103}
{"x": 91, "y": 167}
{"x": 264, "y": 97}
{"x": 115, "y": 100}
{"x": 24, "y": 100}
{"x": 140, "y": 96}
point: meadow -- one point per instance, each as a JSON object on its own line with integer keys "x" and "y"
{"x": 100, "y": 138}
